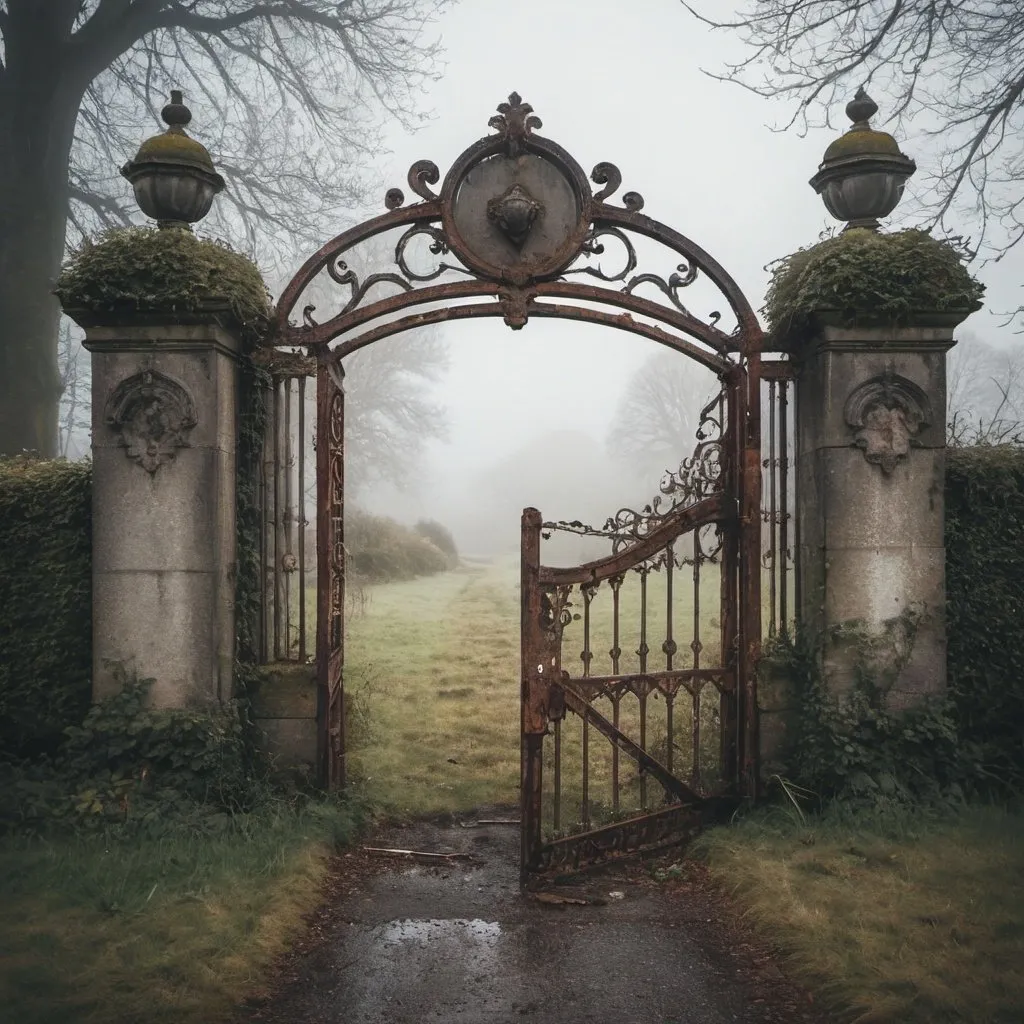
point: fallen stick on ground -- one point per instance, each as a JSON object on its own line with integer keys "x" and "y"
{"x": 417, "y": 853}
{"x": 489, "y": 821}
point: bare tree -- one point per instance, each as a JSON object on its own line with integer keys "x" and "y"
{"x": 655, "y": 423}
{"x": 294, "y": 91}
{"x": 389, "y": 412}
{"x": 957, "y": 66}
{"x": 984, "y": 393}
{"x": 75, "y": 422}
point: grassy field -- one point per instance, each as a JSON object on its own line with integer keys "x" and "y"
{"x": 176, "y": 929}
{"x": 432, "y": 671}
{"x": 891, "y": 918}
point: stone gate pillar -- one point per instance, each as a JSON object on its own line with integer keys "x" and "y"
{"x": 871, "y": 408}
{"x": 164, "y": 441}
{"x": 165, "y": 314}
{"x": 868, "y": 318}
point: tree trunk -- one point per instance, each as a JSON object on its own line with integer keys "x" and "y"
{"x": 38, "y": 107}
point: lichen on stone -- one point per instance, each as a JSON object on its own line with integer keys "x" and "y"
{"x": 868, "y": 278}
{"x": 147, "y": 270}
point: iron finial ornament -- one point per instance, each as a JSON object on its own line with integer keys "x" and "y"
{"x": 863, "y": 173}
{"x": 515, "y": 120}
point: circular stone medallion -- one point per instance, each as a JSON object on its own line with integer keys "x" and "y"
{"x": 516, "y": 211}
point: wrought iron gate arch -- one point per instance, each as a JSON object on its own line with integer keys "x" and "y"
{"x": 515, "y": 218}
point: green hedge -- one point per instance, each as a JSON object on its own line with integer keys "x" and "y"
{"x": 985, "y": 600}
{"x": 45, "y": 602}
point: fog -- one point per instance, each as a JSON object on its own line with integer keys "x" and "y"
{"x": 529, "y": 412}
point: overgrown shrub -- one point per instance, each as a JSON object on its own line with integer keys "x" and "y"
{"x": 129, "y": 763}
{"x": 171, "y": 271}
{"x": 985, "y": 602}
{"x": 868, "y": 277}
{"x": 45, "y": 602}
{"x": 440, "y": 536}
{"x": 852, "y": 746}
{"x": 381, "y": 550}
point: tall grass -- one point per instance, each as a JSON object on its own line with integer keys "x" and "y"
{"x": 893, "y": 915}
{"x": 105, "y": 930}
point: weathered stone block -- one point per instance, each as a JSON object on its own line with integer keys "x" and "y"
{"x": 290, "y": 742}
{"x": 160, "y": 625}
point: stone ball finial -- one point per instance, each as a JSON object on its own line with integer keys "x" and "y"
{"x": 176, "y": 114}
{"x": 172, "y": 174}
{"x": 861, "y": 108}
{"x": 863, "y": 173}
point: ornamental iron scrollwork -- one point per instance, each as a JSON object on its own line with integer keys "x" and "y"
{"x": 518, "y": 218}
{"x": 699, "y": 476}
{"x": 886, "y": 413}
{"x": 153, "y": 415}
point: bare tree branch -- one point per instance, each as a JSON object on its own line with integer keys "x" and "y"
{"x": 956, "y": 68}
{"x": 655, "y": 423}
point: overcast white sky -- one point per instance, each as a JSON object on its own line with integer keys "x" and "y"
{"x": 618, "y": 82}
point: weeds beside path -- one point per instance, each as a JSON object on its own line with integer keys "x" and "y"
{"x": 910, "y": 918}
{"x": 175, "y": 929}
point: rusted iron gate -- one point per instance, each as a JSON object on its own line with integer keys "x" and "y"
{"x": 630, "y": 660}
{"x": 513, "y": 232}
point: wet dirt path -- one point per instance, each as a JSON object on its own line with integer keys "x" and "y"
{"x": 457, "y": 943}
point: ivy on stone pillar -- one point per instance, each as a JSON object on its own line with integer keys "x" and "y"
{"x": 169, "y": 321}
{"x": 868, "y": 318}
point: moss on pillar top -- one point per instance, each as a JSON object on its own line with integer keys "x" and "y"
{"x": 146, "y": 271}
{"x": 866, "y": 278}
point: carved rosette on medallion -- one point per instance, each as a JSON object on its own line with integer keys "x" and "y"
{"x": 887, "y": 413}
{"x": 153, "y": 414}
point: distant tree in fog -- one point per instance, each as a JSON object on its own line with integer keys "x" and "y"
{"x": 984, "y": 392}
{"x": 75, "y": 422}
{"x": 655, "y": 423}
{"x": 390, "y": 413}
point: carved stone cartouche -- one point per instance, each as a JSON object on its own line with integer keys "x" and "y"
{"x": 153, "y": 414}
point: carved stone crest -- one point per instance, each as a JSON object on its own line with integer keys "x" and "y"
{"x": 153, "y": 414}
{"x": 886, "y": 413}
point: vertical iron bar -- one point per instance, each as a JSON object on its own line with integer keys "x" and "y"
{"x": 784, "y": 503}
{"x": 669, "y": 730}
{"x": 669, "y": 646}
{"x": 588, "y": 596}
{"x": 557, "y": 806}
{"x": 615, "y": 653}
{"x": 696, "y": 734}
{"x": 697, "y": 646}
{"x": 616, "y": 700}
{"x": 773, "y": 551}
{"x": 750, "y": 569}
{"x": 732, "y": 446}
{"x": 289, "y": 515}
{"x": 643, "y": 744}
{"x": 533, "y": 695}
{"x": 302, "y": 519}
{"x": 278, "y": 531}
{"x": 642, "y": 651}
{"x": 266, "y": 520}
